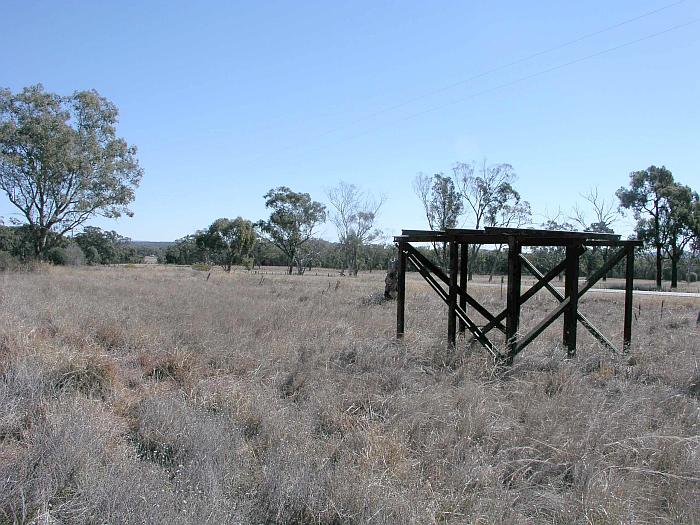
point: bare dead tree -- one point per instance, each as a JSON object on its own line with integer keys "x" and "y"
{"x": 604, "y": 213}
{"x": 599, "y": 217}
{"x": 554, "y": 220}
{"x": 354, "y": 213}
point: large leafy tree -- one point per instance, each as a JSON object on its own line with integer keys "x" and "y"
{"x": 229, "y": 241}
{"x": 293, "y": 220}
{"x": 681, "y": 225}
{"x": 61, "y": 161}
{"x": 647, "y": 197}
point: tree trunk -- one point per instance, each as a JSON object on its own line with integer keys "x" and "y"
{"x": 674, "y": 272}
{"x": 472, "y": 260}
{"x": 41, "y": 238}
{"x": 495, "y": 262}
{"x": 354, "y": 260}
{"x": 657, "y": 242}
{"x": 605, "y": 261}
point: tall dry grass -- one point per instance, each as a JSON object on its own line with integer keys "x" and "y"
{"x": 151, "y": 395}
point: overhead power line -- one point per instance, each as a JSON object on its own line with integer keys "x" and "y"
{"x": 501, "y": 67}
{"x": 553, "y": 68}
{"x": 517, "y": 81}
{"x": 490, "y": 71}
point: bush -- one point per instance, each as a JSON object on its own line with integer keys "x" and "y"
{"x": 92, "y": 255}
{"x": 71, "y": 255}
{"x": 7, "y": 262}
{"x": 201, "y": 267}
{"x": 57, "y": 256}
{"x": 93, "y": 377}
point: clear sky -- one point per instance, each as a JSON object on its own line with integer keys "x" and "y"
{"x": 226, "y": 100}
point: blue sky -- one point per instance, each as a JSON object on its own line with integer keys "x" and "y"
{"x": 226, "y": 100}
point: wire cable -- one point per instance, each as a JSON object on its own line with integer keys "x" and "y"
{"x": 485, "y": 73}
{"x": 501, "y": 67}
{"x": 515, "y": 81}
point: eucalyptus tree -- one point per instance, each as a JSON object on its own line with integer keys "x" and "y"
{"x": 229, "y": 241}
{"x": 681, "y": 226}
{"x": 490, "y": 197}
{"x": 442, "y": 204}
{"x": 293, "y": 220}
{"x": 61, "y": 161}
{"x": 354, "y": 214}
{"x": 106, "y": 247}
{"x": 647, "y": 198}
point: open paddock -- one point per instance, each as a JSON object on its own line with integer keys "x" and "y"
{"x": 152, "y": 394}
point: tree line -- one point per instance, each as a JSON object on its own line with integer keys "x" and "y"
{"x": 62, "y": 163}
{"x": 667, "y": 213}
{"x": 288, "y": 237}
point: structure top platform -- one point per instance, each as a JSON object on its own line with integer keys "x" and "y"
{"x": 524, "y": 236}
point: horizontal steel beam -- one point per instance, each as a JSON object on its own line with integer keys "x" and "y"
{"x": 546, "y": 234}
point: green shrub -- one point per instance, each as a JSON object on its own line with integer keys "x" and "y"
{"x": 92, "y": 255}
{"x": 201, "y": 267}
{"x": 57, "y": 256}
{"x": 70, "y": 255}
{"x": 8, "y": 262}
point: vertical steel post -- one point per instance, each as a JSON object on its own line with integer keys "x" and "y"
{"x": 463, "y": 278}
{"x": 452, "y": 297}
{"x": 629, "y": 283}
{"x": 571, "y": 292}
{"x": 513, "y": 296}
{"x": 401, "y": 292}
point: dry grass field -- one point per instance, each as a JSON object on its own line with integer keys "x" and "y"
{"x": 151, "y": 395}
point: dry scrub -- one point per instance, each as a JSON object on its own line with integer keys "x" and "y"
{"x": 151, "y": 395}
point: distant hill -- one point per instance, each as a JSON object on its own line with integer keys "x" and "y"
{"x": 150, "y": 247}
{"x": 155, "y": 245}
